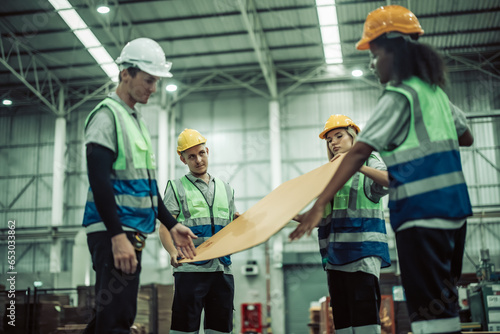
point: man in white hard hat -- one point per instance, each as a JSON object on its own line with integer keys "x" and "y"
{"x": 123, "y": 202}
{"x": 206, "y": 205}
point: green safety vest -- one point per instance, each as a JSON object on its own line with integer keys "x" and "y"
{"x": 134, "y": 173}
{"x": 195, "y": 212}
{"x": 426, "y": 178}
{"x": 354, "y": 226}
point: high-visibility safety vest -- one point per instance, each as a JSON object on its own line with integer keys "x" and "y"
{"x": 202, "y": 218}
{"x": 426, "y": 178}
{"x": 353, "y": 227}
{"x": 133, "y": 177}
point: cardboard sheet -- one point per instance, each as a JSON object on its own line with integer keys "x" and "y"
{"x": 268, "y": 216}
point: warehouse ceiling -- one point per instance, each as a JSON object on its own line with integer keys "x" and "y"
{"x": 220, "y": 44}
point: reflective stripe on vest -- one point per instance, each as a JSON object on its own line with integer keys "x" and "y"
{"x": 426, "y": 178}
{"x": 133, "y": 177}
{"x": 355, "y": 228}
{"x": 204, "y": 219}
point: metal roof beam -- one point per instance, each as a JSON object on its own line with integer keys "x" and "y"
{"x": 247, "y": 85}
{"x": 301, "y": 80}
{"x": 259, "y": 43}
{"x": 472, "y": 64}
{"x": 433, "y": 16}
{"x": 44, "y": 88}
{"x": 180, "y": 38}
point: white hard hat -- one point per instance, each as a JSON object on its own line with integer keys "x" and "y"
{"x": 147, "y": 55}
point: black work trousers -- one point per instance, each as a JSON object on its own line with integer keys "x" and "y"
{"x": 355, "y": 299}
{"x": 431, "y": 264}
{"x": 211, "y": 291}
{"x": 115, "y": 291}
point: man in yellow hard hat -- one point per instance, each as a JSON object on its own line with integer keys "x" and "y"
{"x": 123, "y": 202}
{"x": 206, "y": 205}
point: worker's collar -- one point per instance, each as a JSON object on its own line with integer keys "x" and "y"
{"x": 193, "y": 178}
{"x": 134, "y": 112}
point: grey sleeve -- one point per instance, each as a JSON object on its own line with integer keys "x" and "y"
{"x": 389, "y": 124}
{"x": 101, "y": 130}
{"x": 234, "y": 204}
{"x": 459, "y": 119}
{"x": 373, "y": 190}
{"x": 170, "y": 200}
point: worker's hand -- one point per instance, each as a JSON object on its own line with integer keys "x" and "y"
{"x": 183, "y": 236}
{"x": 298, "y": 218}
{"x": 123, "y": 254}
{"x": 310, "y": 220}
{"x": 173, "y": 260}
{"x": 236, "y": 215}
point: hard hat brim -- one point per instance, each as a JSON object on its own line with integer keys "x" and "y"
{"x": 156, "y": 71}
{"x": 322, "y": 135}
{"x": 363, "y": 44}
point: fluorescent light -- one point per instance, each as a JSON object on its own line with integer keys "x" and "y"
{"x": 37, "y": 283}
{"x": 100, "y": 55}
{"x": 327, "y": 15}
{"x": 357, "y": 73}
{"x": 171, "y": 88}
{"x": 111, "y": 70}
{"x": 325, "y": 2}
{"x": 330, "y": 35}
{"x": 329, "y": 28}
{"x": 103, "y": 9}
{"x": 333, "y": 53}
{"x": 60, "y": 4}
{"x": 86, "y": 37}
{"x": 7, "y": 102}
{"x": 72, "y": 19}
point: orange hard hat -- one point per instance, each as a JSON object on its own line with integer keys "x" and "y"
{"x": 189, "y": 138}
{"x": 337, "y": 121}
{"x": 386, "y": 19}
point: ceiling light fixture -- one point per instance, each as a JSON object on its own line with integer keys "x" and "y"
{"x": 86, "y": 37}
{"x": 329, "y": 28}
{"x": 103, "y": 9}
{"x": 357, "y": 73}
{"x": 7, "y": 102}
{"x": 171, "y": 88}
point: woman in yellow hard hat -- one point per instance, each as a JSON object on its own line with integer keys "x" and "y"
{"x": 418, "y": 133}
{"x": 352, "y": 236}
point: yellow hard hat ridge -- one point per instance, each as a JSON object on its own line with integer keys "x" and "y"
{"x": 337, "y": 121}
{"x": 189, "y": 138}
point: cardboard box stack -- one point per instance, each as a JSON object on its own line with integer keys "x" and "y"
{"x": 154, "y": 308}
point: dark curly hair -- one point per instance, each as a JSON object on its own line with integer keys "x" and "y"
{"x": 412, "y": 58}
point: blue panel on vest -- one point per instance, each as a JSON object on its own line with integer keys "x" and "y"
{"x": 140, "y": 219}
{"x": 140, "y": 187}
{"x": 347, "y": 252}
{"x": 90, "y": 214}
{"x": 352, "y": 225}
{"x": 202, "y": 230}
{"x": 448, "y": 203}
{"x": 428, "y": 166}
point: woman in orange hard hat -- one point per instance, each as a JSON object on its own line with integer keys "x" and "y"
{"x": 352, "y": 236}
{"x": 418, "y": 133}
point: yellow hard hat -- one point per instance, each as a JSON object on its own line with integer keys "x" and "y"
{"x": 386, "y": 19}
{"x": 189, "y": 138}
{"x": 337, "y": 121}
